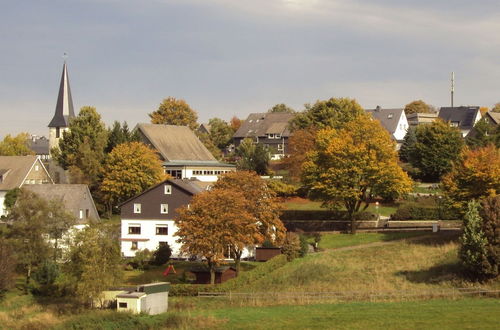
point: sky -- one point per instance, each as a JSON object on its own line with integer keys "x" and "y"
{"x": 235, "y": 57}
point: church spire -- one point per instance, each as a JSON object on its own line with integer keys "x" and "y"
{"x": 64, "y": 107}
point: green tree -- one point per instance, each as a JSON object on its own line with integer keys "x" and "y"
{"x": 220, "y": 133}
{"x": 7, "y": 265}
{"x": 418, "y": 106}
{"x": 15, "y": 146}
{"x": 209, "y": 144}
{"x": 472, "y": 252}
{"x": 11, "y": 197}
{"x": 351, "y": 165}
{"x": 94, "y": 263}
{"x": 120, "y": 133}
{"x": 58, "y": 222}
{"x": 408, "y": 146}
{"x": 129, "y": 169}
{"x": 333, "y": 113}
{"x": 438, "y": 146}
{"x": 482, "y": 134}
{"x": 213, "y": 221}
{"x": 28, "y": 231}
{"x": 252, "y": 157}
{"x": 174, "y": 111}
{"x": 162, "y": 254}
{"x": 490, "y": 213}
{"x": 82, "y": 148}
{"x": 281, "y": 107}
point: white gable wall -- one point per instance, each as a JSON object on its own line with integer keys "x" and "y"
{"x": 402, "y": 128}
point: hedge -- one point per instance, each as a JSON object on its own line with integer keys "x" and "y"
{"x": 314, "y": 215}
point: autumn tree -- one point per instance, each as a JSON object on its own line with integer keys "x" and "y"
{"x": 221, "y": 133}
{"x": 28, "y": 231}
{"x": 120, "y": 133}
{"x": 94, "y": 263}
{"x": 281, "y": 107}
{"x": 350, "y": 165}
{"x": 418, "y": 106}
{"x": 252, "y": 157}
{"x": 82, "y": 148}
{"x": 174, "y": 111}
{"x": 15, "y": 145}
{"x": 129, "y": 169}
{"x": 235, "y": 123}
{"x": 261, "y": 204}
{"x": 299, "y": 144}
{"x": 475, "y": 175}
{"x": 438, "y": 146}
{"x": 214, "y": 220}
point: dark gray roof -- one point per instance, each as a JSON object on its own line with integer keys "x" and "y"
{"x": 463, "y": 115}
{"x": 64, "y": 107}
{"x": 75, "y": 197}
{"x": 16, "y": 168}
{"x": 191, "y": 163}
{"x": 175, "y": 143}
{"x": 260, "y": 124}
{"x": 40, "y": 146}
{"x": 389, "y": 118}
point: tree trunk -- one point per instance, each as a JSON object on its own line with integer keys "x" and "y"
{"x": 237, "y": 261}
{"x": 211, "y": 266}
{"x": 55, "y": 250}
{"x": 28, "y": 278}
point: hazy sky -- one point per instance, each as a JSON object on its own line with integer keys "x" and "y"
{"x": 234, "y": 57}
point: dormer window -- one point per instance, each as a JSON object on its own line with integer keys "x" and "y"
{"x": 390, "y": 115}
{"x": 137, "y": 208}
{"x": 168, "y": 189}
{"x": 164, "y": 208}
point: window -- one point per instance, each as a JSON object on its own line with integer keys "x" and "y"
{"x": 278, "y": 135}
{"x": 36, "y": 167}
{"x": 135, "y": 245}
{"x": 137, "y": 208}
{"x": 164, "y": 208}
{"x": 134, "y": 229}
{"x": 280, "y": 147}
{"x": 161, "y": 230}
{"x": 58, "y": 132}
{"x": 81, "y": 214}
{"x": 168, "y": 189}
{"x": 122, "y": 305}
{"x": 86, "y": 213}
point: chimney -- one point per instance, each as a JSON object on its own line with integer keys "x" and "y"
{"x": 377, "y": 108}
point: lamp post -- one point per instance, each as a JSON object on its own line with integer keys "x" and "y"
{"x": 376, "y": 210}
{"x": 439, "y": 206}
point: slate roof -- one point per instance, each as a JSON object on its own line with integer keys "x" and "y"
{"x": 463, "y": 115}
{"x": 73, "y": 196}
{"x": 64, "y": 106}
{"x": 260, "y": 124}
{"x": 39, "y": 146}
{"x": 389, "y": 118}
{"x": 17, "y": 168}
{"x": 175, "y": 143}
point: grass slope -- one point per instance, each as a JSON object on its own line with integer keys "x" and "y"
{"x": 434, "y": 314}
{"x": 331, "y": 241}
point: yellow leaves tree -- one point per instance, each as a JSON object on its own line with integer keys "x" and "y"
{"x": 15, "y": 145}
{"x": 130, "y": 168}
{"x": 352, "y": 164}
{"x": 214, "y": 221}
{"x": 474, "y": 176}
{"x": 174, "y": 111}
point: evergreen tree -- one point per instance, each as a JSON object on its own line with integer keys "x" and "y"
{"x": 119, "y": 134}
{"x": 408, "y": 147}
{"x": 490, "y": 213}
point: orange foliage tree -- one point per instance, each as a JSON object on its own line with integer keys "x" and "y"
{"x": 174, "y": 111}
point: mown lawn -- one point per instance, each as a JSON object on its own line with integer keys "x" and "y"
{"x": 432, "y": 314}
{"x": 303, "y": 204}
{"x": 332, "y": 241}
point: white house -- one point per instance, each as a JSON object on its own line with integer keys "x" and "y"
{"x": 393, "y": 120}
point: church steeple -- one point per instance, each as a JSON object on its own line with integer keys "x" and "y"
{"x": 64, "y": 111}
{"x": 64, "y": 106}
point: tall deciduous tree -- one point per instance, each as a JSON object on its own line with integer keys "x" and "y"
{"x": 482, "y": 134}
{"x": 299, "y": 144}
{"x": 58, "y": 222}
{"x": 475, "y": 175}
{"x": 15, "y": 145}
{"x": 281, "y": 107}
{"x": 214, "y": 220}
{"x": 94, "y": 263}
{"x": 82, "y": 148}
{"x": 418, "y": 106}
{"x": 130, "y": 169}
{"x": 120, "y": 133}
{"x": 351, "y": 164}
{"x": 252, "y": 157}
{"x": 235, "y": 123}
{"x": 438, "y": 146}
{"x": 174, "y": 111}
{"x": 261, "y": 203}
{"x": 221, "y": 133}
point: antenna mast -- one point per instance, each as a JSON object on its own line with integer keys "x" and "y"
{"x": 452, "y": 87}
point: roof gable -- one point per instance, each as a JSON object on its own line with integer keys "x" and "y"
{"x": 16, "y": 169}
{"x": 175, "y": 143}
{"x": 260, "y": 124}
{"x": 389, "y": 118}
{"x": 464, "y": 116}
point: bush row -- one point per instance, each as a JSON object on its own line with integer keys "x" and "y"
{"x": 314, "y": 215}
{"x": 414, "y": 211}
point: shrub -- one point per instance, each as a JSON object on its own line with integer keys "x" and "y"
{"x": 268, "y": 244}
{"x": 162, "y": 255}
{"x": 142, "y": 259}
{"x": 289, "y": 215}
{"x": 304, "y": 246}
{"x": 45, "y": 276}
{"x": 291, "y": 246}
{"x": 7, "y": 266}
{"x": 281, "y": 188}
{"x": 490, "y": 214}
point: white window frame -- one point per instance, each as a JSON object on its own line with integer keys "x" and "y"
{"x": 164, "y": 208}
{"x": 137, "y": 208}
{"x": 134, "y": 225}
{"x": 81, "y": 214}
{"x": 161, "y": 226}
{"x": 167, "y": 189}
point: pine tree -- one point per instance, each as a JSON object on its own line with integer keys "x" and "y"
{"x": 407, "y": 149}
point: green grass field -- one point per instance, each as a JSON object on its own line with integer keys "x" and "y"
{"x": 332, "y": 241}
{"x": 303, "y": 204}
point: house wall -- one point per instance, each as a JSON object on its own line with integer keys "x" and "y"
{"x": 154, "y": 303}
{"x": 3, "y": 211}
{"x": 189, "y": 172}
{"x": 133, "y": 304}
{"x": 53, "y": 140}
{"x": 271, "y": 143}
{"x": 148, "y": 239}
{"x": 402, "y": 128}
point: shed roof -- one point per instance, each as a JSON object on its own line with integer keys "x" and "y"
{"x": 16, "y": 169}
{"x": 260, "y": 124}
{"x": 71, "y": 195}
{"x": 465, "y": 116}
{"x": 389, "y": 118}
{"x": 175, "y": 143}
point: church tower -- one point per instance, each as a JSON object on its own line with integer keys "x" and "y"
{"x": 64, "y": 111}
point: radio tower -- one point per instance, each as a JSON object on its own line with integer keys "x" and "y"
{"x": 452, "y": 87}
